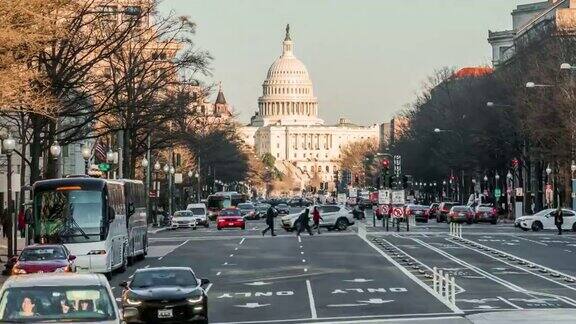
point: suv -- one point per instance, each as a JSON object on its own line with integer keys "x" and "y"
{"x": 333, "y": 217}
{"x": 200, "y": 212}
{"x": 443, "y": 210}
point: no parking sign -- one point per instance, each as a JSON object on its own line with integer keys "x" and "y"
{"x": 397, "y": 212}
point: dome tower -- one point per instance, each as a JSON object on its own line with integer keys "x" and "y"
{"x": 287, "y": 93}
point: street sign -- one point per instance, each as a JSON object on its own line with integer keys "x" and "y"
{"x": 353, "y": 192}
{"x": 398, "y": 197}
{"x": 384, "y": 197}
{"x": 397, "y": 165}
{"x": 104, "y": 167}
{"x": 178, "y": 178}
{"x": 153, "y": 194}
{"x": 398, "y": 212}
{"x": 497, "y": 193}
{"x": 385, "y": 209}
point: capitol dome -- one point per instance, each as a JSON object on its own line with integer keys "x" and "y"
{"x": 288, "y": 93}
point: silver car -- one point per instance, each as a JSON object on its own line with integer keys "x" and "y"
{"x": 57, "y": 298}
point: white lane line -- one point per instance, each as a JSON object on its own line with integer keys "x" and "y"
{"x": 509, "y": 302}
{"x": 568, "y": 250}
{"x": 219, "y": 272}
{"x": 231, "y": 255}
{"x": 305, "y": 269}
{"x": 147, "y": 266}
{"x": 301, "y": 247}
{"x": 225, "y": 263}
{"x": 174, "y": 249}
{"x": 364, "y": 319}
{"x": 235, "y": 249}
{"x": 311, "y": 299}
{"x": 208, "y": 287}
{"x": 242, "y": 241}
{"x": 303, "y": 260}
{"x": 299, "y": 239}
{"x": 454, "y": 308}
{"x": 529, "y": 240}
{"x": 302, "y": 252}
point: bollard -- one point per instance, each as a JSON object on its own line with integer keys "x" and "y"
{"x": 451, "y": 226}
{"x": 440, "y": 276}
{"x": 435, "y": 279}
{"x": 453, "y": 291}
{"x": 446, "y": 286}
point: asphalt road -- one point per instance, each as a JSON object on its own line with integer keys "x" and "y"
{"x": 341, "y": 276}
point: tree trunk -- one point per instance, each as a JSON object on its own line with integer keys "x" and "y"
{"x": 35, "y": 148}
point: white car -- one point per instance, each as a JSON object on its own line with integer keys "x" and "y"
{"x": 183, "y": 219}
{"x": 58, "y": 298}
{"x": 200, "y": 212}
{"x": 333, "y": 217}
{"x": 544, "y": 219}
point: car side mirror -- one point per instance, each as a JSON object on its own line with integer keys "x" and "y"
{"x": 111, "y": 214}
{"x": 123, "y": 284}
{"x": 204, "y": 282}
{"x": 71, "y": 257}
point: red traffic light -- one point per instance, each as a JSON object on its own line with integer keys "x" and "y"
{"x": 385, "y": 163}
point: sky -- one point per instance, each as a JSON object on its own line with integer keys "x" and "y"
{"x": 368, "y": 59}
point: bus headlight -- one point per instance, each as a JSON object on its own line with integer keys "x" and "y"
{"x": 97, "y": 252}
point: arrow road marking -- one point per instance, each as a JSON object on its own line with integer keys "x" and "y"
{"x": 258, "y": 283}
{"x": 345, "y": 305}
{"x": 375, "y": 301}
{"x": 359, "y": 280}
{"x": 252, "y": 305}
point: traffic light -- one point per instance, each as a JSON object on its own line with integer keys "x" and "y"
{"x": 386, "y": 164}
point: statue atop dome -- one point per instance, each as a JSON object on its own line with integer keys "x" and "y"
{"x": 287, "y": 38}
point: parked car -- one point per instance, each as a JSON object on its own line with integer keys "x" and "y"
{"x": 444, "y": 210}
{"x": 433, "y": 210}
{"x": 299, "y": 202}
{"x": 262, "y": 209}
{"x": 460, "y": 214}
{"x": 337, "y": 217}
{"x": 200, "y": 213}
{"x": 283, "y": 209}
{"x": 183, "y": 219}
{"x": 365, "y": 203}
{"x": 43, "y": 259}
{"x": 230, "y": 218}
{"x": 544, "y": 219}
{"x": 165, "y": 294}
{"x": 248, "y": 211}
{"x": 59, "y": 298}
{"x": 420, "y": 212}
{"x": 486, "y": 213}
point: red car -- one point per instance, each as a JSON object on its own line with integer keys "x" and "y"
{"x": 419, "y": 212}
{"x": 230, "y": 218}
{"x": 486, "y": 213}
{"x": 44, "y": 258}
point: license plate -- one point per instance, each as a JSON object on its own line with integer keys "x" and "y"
{"x": 230, "y": 224}
{"x": 461, "y": 214}
{"x": 165, "y": 313}
{"x": 418, "y": 213}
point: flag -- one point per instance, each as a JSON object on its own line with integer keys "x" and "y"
{"x": 100, "y": 152}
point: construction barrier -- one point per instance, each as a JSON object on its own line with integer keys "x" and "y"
{"x": 444, "y": 285}
{"x": 456, "y": 230}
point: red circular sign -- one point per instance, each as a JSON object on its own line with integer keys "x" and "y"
{"x": 397, "y": 212}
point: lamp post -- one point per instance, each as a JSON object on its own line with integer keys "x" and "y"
{"x": 157, "y": 167}
{"x": 573, "y": 169}
{"x": 170, "y": 184}
{"x": 86, "y": 154}
{"x": 548, "y": 172}
{"x": 199, "y": 189}
{"x": 110, "y": 160}
{"x": 55, "y": 151}
{"x": 190, "y": 177}
{"x": 9, "y": 145}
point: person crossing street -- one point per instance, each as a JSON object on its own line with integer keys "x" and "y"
{"x": 270, "y": 213}
{"x": 316, "y": 218}
{"x": 558, "y": 220}
{"x": 304, "y": 222}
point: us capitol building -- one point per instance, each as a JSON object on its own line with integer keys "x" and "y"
{"x": 287, "y": 125}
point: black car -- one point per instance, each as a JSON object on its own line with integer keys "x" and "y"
{"x": 165, "y": 295}
{"x": 299, "y": 202}
{"x": 282, "y": 209}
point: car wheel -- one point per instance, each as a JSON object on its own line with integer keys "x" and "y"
{"x": 469, "y": 222}
{"x": 219, "y": 228}
{"x": 574, "y": 227}
{"x": 438, "y": 220}
{"x": 243, "y": 227}
{"x": 206, "y": 225}
{"x": 341, "y": 224}
{"x": 494, "y": 222}
{"x": 537, "y": 226}
{"x": 524, "y": 229}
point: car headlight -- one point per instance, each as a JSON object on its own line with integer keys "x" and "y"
{"x": 194, "y": 300}
{"x": 133, "y": 302}
{"x": 63, "y": 269}
{"x": 16, "y": 270}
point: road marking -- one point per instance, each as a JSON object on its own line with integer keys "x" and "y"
{"x": 304, "y": 260}
{"x": 301, "y": 246}
{"x": 208, "y": 287}
{"x": 235, "y": 249}
{"x": 361, "y": 280}
{"x": 529, "y": 240}
{"x": 174, "y": 249}
{"x": 365, "y": 319}
{"x": 302, "y": 252}
{"x": 258, "y": 283}
{"x": 375, "y": 301}
{"x": 299, "y": 240}
{"x": 231, "y": 255}
{"x": 225, "y": 263}
{"x": 311, "y": 299}
{"x": 568, "y": 250}
{"x": 509, "y": 302}
{"x": 242, "y": 241}
{"x": 252, "y": 305}
{"x": 219, "y": 272}
{"x": 305, "y": 269}
{"x": 454, "y": 308}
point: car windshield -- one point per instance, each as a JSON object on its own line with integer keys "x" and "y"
{"x": 42, "y": 254}
{"x": 198, "y": 211}
{"x": 230, "y": 212}
{"x": 245, "y": 206}
{"x": 70, "y": 216}
{"x": 485, "y": 208}
{"x": 163, "y": 277}
{"x": 58, "y": 304}
{"x": 460, "y": 209}
{"x": 183, "y": 214}
{"x": 282, "y": 206}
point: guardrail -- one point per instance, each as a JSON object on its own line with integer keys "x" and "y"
{"x": 456, "y": 230}
{"x": 444, "y": 285}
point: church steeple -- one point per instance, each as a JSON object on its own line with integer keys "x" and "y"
{"x": 287, "y": 45}
{"x": 220, "y": 99}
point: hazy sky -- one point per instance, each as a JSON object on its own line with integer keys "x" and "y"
{"x": 367, "y": 58}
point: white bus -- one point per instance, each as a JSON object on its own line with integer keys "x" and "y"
{"x": 88, "y": 216}
{"x": 137, "y": 219}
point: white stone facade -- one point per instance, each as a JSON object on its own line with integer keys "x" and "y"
{"x": 287, "y": 125}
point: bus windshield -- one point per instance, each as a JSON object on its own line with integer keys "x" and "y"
{"x": 74, "y": 216}
{"x": 218, "y": 202}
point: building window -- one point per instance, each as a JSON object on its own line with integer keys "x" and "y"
{"x": 277, "y": 155}
{"x": 327, "y": 168}
{"x": 277, "y": 145}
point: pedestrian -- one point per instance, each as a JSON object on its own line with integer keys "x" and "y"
{"x": 21, "y": 223}
{"x": 304, "y": 222}
{"x": 5, "y": 223}
{"x": 316, "y": 218}
{"x": 270, "y": 214}
{"x": 558, "y": 220}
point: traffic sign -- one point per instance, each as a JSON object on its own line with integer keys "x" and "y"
{"x": 398, "y": 212}
{"x": 497, "y": 193}
{"x": 398, "y": 197}
{"x": 384, "y": 197}
{"x": 104, "y": 167}
{"x": 153, "y": 194}
{"x": 353, "y": 192}
{"x": 385, "y": 209}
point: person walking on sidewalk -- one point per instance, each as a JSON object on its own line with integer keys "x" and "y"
{"x": 316, "y": 218}
{"x": 21, "y": 223}
{"x": 270, "y": 214}
{"x": 558, "y": 220}
{"x": 304, "y": 222}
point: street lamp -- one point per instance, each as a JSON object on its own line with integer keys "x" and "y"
{"x": 145, "y": 163}
{"x": 55, "y": 150}
{"x": 509, "y": 175}
{"x": 110, "y": 156}
{"x": 567, "y": 66}
{"x": 157, "y": 166}
{"x": 172, "y": 170}
{"x": 548, "y": 170}
{"x": 9, "y": 145}
{"x": 497, "y": 177}
{"x": 573, "y": 167}
{"x": 86, "y": 154}
{"x": 485, "y": 178}
{"x": 190, "y": 174}
{"x": 166, "y": 168}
